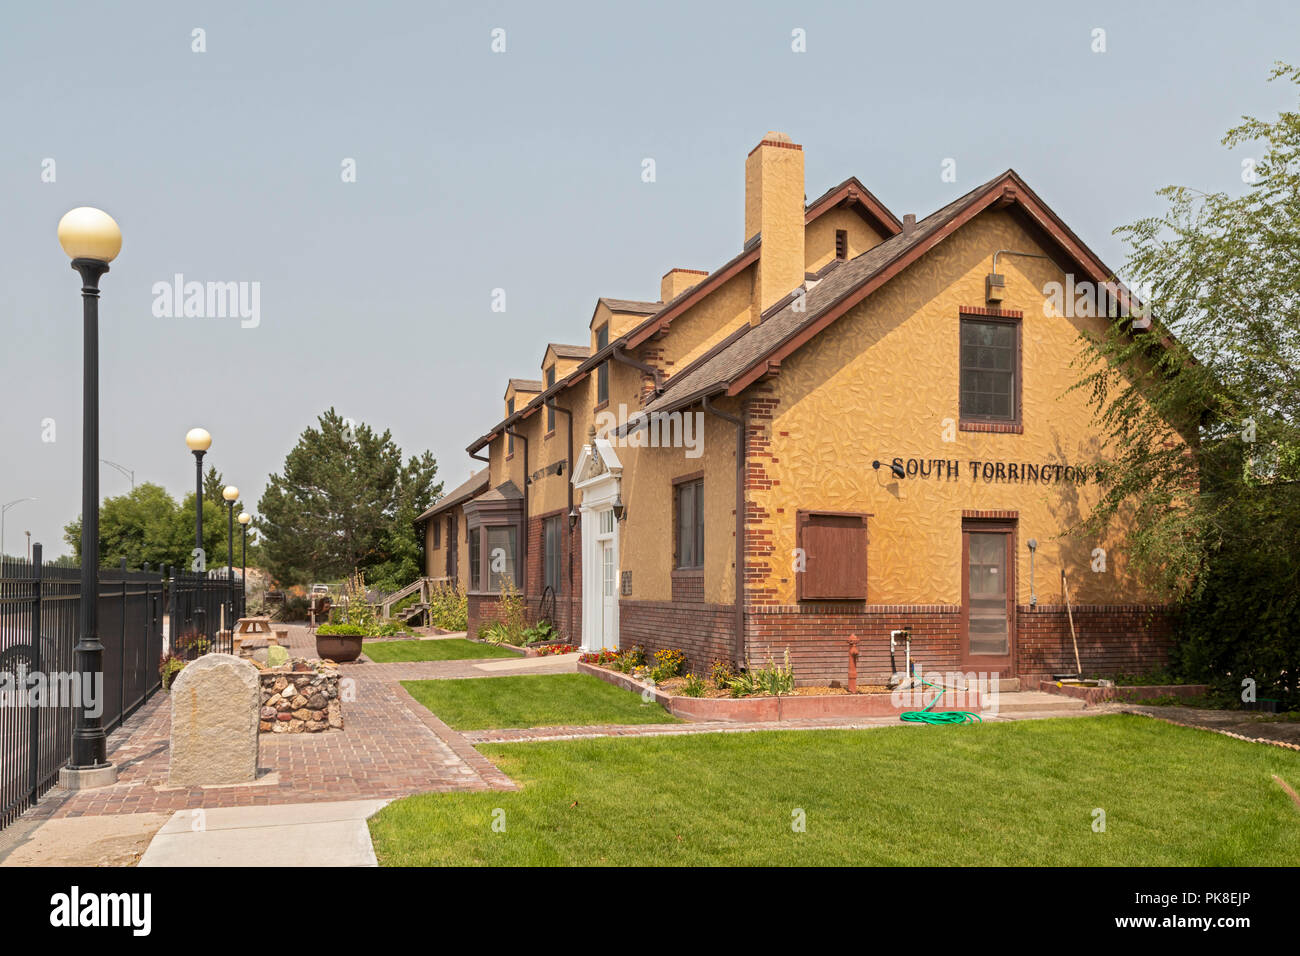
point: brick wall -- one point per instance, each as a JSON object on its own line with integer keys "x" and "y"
{"x": 1118, "y": 638}
{"x": 688, "y": 587}
{"x": 703, "y": 632}
{"x": 1114, "y": 638}
{"x": 817, "y": 637}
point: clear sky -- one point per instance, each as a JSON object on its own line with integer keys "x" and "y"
{"x": 519, "y": 170}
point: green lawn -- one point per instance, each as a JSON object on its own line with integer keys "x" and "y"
{"x": 1013, "y": 793}
{"x": 447, "y": 649}
{"x": 545, "y": 700}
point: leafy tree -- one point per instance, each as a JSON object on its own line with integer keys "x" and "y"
{"x": 148, "y": 525}
{"x": 345, "y": 501}
{"x": 1201, "y": 414}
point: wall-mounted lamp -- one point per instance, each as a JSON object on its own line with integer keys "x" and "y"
{"x": 1033, "y": 546}
{"x": 573, "y": 517}
{"x": 894, "y": 467}
{"x": 620, "y": 510}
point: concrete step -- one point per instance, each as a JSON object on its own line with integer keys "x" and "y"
{"x": 1036, "y": 700}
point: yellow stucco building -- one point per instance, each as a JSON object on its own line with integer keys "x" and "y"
{"x": 859, "y": 424}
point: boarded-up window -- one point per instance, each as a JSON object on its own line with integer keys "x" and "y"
{"x": 834, "y": 547}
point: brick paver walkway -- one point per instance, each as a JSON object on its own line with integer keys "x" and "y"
{"x": 389, "y": 747}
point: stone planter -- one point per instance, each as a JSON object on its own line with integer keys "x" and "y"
{"x": 301, "y": 700}
{"x": 338, "y": 648}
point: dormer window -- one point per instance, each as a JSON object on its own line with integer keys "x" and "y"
{"x": 602, "y": 373}
{"x": 550, "y": 410}
{"x": 510, "y": 439}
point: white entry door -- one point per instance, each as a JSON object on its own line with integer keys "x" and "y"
{"x": 608, "y": 595}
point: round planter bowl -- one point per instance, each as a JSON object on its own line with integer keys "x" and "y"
{"x": 338, "y": 649}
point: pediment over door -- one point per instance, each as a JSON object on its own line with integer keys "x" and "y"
{"x": 597, "y": 460}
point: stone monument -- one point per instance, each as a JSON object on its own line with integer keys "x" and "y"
{"x": 215, "y": 701}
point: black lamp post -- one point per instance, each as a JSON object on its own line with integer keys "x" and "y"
{"x": 231, "y": 494}
{"x": 199, "y": 441}
{"x": 243, "y": 520}
{"x": 92, "y": 239}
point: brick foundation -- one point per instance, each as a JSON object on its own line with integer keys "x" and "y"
{"x": 1112, "y": 638}
{"x": 703, "y": 632}
{"x": 1126, "y": 639}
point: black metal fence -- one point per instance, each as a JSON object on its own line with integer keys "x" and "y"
{"x": 39, "y": 688}
{"x": 202, "y": 612}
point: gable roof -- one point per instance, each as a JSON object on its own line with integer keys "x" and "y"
{"x": 523, "y": 385}
{"x": 629, "y": 306}
{"x": 760, "y": 349}
{"x": 462, "y": 492}
{"x": 569, "y": 351}
{"x": 850, "y": 193}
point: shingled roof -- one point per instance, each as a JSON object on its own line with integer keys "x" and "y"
{"x": 784, "y": 329}
{"x": 461, "y": 493}
{"x": 630, "y": 306}
{"x": 569, "y": 351}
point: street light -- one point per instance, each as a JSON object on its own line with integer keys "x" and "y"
{"x": 243, "y": 519}
{"x": 122, "y": 469}
{"x": 4, "y": 510}
{"x": 198, "y": 441}
{"x": 92, "y": 240}
{"x": 231, "y": 494}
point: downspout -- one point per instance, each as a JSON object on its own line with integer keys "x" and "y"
{"x": 739, "y": 422}
{"x": 568, "y": 522}
{"x": 619, "y": 356}
{"x": 523, "y": 549}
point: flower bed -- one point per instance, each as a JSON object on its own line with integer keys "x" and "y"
{"x": 1098, "y": 694}
{"x": 554, "y": 647}
{"x": 803, "y": 703}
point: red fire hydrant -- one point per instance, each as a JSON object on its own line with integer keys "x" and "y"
{"x": 853, "y": 663}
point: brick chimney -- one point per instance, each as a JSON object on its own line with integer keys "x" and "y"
{"x": 677, "y": 281}
{"x": 774, "y": 209}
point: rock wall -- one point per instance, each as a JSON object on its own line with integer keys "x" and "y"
{"x": 301, "y": 698}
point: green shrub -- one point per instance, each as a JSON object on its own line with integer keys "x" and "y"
{"x": 540, "y": 633}
{"x": 342, "y": 630}
{"x": 449, "y": 608}
{"x": 694, "y": 686}
{"x": 170, "y": 666}
{"x": 775, "y": 679}
{"x": 293, "y": 609}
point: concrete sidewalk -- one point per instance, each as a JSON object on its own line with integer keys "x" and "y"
{"x": 291, "y": 834}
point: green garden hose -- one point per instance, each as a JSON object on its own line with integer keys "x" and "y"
{"x": 928, "y": 716}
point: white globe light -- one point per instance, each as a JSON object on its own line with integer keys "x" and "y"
{"x": 89, "y": 233}
{"x": 198, "y": 439}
